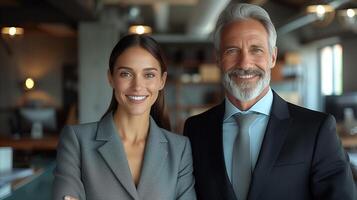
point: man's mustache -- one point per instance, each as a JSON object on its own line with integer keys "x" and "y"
{"x": 244, "y": 72}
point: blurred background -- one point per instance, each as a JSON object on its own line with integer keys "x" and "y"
{"x": 54, "y": 58}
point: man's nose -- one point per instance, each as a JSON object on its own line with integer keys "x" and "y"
{"x": 243, "y": 60}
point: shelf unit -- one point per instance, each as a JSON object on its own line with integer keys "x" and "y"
{"x": 287, "y": 77}
{"x": 193, "y": 84}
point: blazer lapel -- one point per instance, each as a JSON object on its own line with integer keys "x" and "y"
{"x": 215, "y": 153}
{"x": 154, "y": 159}
{"x": 114, "y": 154}
{"x": 275, "y": 134}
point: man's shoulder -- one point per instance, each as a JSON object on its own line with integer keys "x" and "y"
{"x": 297, "y": 111}
{"x": 213, "y": 112}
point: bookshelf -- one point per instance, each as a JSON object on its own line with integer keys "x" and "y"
{"x": 193, "y": 84}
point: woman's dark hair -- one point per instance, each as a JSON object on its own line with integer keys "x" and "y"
{"x": 158, "y": 110}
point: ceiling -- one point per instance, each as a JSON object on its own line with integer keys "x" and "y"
{"x": 169, "y": 18}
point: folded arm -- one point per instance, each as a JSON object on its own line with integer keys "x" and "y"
{"x": 67, "y": 173}
{"x": 185, "y": 183}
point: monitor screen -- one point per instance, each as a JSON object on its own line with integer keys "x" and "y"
{"x": 45, "y": 116}
{"x": 336, "y": 105}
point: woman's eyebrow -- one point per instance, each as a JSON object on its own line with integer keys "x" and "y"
{"x": 123, "y": 67}
{"x": 151, "y": 69}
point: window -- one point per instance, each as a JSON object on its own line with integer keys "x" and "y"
{"x": 331, "y": 70}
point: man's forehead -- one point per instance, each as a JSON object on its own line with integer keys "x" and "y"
{"x": 244, "y": 27}
{"x": 244, "y": 38}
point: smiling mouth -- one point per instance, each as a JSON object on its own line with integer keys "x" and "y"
{"x": 246, "y": 76}
{"x": 137, "y": 97}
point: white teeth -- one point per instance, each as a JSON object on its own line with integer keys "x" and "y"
{"x": 246, "y": 76}
{"x": 137, "y": 98}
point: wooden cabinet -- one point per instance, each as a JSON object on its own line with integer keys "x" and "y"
{"x": 47, "y": 143}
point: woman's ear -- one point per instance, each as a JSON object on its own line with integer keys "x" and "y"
{"x": 163, "y": 80}
{"x": 110, "y": 78}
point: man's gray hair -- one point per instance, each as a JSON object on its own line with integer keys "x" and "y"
{"x": 243, "y": 11}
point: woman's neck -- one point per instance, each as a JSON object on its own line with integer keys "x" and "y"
{"x": 132, "y": 128}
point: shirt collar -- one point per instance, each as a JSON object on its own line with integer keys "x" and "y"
{"x": 263, "y": 106}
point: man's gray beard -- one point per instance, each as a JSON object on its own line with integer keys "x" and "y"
{"x": 245, "y": 91}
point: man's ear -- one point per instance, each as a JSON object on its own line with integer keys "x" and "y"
{"x": 274, "y": 56}
{"x": 110, "y": 79}
{"x": 163, "y": 80}
{"x": 218, "y": 56}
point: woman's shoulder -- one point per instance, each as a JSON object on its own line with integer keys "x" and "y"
{"x": 175, "y": 138}
{"x": 81, "y": 129}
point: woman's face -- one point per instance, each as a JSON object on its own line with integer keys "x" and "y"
{"x": 137, "y": 79}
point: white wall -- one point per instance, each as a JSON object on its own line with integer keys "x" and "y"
{"x": 311, "y": 95}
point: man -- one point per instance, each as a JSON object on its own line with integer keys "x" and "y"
{"x": 292, "y": 152}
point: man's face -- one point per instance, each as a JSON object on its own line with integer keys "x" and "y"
{"x": 245, "y": 59}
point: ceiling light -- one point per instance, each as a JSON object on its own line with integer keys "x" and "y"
{"x": 350, "y": 12}
{"x": 319, "y": 10}
{"x": 29, "y": 83}
{"x": 348, "y": 18}
{"x": 140, "y": 29}
{"x": 12, "y": 31}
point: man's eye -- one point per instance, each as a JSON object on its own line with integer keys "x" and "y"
{"x": 231, "y": 51}
{"x": 257, "y": 50}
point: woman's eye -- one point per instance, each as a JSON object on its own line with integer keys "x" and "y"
{"x": 124, "y": 74}
{"x": 149, "y": 75}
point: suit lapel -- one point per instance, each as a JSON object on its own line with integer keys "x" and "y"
{"x": 274, "y": 138}
{"x": 215, "y": 153}
{"x": 114, "y": 154}
{"x": 154, "y": 159}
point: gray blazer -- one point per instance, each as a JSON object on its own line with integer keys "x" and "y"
{"x": 91, "y": 164}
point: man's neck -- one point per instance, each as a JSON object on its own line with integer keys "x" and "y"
{"x": 246, "y": 105}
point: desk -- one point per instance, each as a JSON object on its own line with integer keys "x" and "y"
{"x": 37, "y": 186}
{"x": 27, "y": 143}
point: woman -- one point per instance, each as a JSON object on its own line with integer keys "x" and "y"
{"x": 127, "y": 154}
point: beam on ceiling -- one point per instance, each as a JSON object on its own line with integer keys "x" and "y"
{"x": 205, "y": 17}
{"x": 78, "y": 10}
{"x": 149, "y": 2}
{"x": 12, "y": 16}
{"x": 305, "y": 19}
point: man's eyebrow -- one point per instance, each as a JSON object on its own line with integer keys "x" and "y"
{"x": 256, "y": 46}
{"x": 230, "y": 46}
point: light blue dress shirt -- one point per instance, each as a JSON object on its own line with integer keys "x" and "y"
{"x": 230, "y": 129}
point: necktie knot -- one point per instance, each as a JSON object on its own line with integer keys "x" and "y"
{"x": 245, "y": 120}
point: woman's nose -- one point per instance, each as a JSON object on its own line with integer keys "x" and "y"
{"x": 137, "y": 83}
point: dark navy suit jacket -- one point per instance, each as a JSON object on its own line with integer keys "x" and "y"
{"x": 301, "y": 157}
